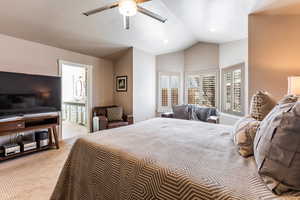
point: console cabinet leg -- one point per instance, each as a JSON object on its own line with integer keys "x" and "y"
{"x": 54, "y": 129}
{"x": 50, "y": 136}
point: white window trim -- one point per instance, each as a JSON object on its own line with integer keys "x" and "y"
{"x": 169, "y": 108}
{"x": 231, "y": 68}
{"x": 215, "y": 72}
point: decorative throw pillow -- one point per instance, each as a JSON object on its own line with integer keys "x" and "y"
{"x": 277, "y": 147}
{"x": 181, "y": 112}
{"x": 202, "y": 113}
{"x": 261, "y": 104}
{"x": 243, "y": 135}
{"x": 115, "y": 114}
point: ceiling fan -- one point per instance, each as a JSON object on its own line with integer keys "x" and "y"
{"x": 128, "y": 8}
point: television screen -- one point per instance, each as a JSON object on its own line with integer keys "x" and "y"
{"x": 22, "y": 94}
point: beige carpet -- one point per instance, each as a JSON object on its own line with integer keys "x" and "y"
{"x": 70, "y": 130}
{"x": 32, "y": 177}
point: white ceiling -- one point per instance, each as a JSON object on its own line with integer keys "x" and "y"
{"x": 60, "y": 23}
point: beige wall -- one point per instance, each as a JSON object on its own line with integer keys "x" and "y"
{"x": 23, "y": 56}
{"x": 17, "y": 55}
{"x": 232, "y": 53}
{"x": 274, "y": 46}
{"x": 201, "y": 56}
{"x": 139, "y": 100}
{"x": 144, "y": 85}
{"x": 206, "y": 57}
{"x": 171, "y": 62}
{"x": 123, "y": 66}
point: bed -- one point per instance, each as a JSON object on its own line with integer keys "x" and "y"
{"x": 161, "y": 159}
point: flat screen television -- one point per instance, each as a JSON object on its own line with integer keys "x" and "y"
{"x": 22, "y": 94}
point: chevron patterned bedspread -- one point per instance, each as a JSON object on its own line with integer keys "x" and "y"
{"x": 160, "y": 159}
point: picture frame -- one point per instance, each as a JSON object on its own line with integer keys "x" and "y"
{"x": 121, "y": 83}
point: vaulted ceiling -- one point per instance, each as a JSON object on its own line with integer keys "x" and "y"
{"x": 60, "y": 23}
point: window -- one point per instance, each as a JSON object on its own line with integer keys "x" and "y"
{"x": 169, "y": 91}
{"x": 201, "y": 89}
{"x": 233, "y": 89}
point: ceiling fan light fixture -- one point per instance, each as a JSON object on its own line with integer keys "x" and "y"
{"x": 128, "y": 7}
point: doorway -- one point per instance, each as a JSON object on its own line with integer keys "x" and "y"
{"x": 75, "y": 116}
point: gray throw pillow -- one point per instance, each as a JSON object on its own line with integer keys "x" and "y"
{"x": 202, "y": 113}
{"x": 244, "y": 132}
{"x": 277, "y": 147}
{"x": 181, "y": 112}
{"x": 115, "y": 114}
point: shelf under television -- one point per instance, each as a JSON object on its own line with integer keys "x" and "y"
{"x": 50, "y": 122}
{"x": 31, "y": 128}
{"x": 3, "y": 158}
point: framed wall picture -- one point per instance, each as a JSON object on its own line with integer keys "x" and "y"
{"x": 121, "y": 82}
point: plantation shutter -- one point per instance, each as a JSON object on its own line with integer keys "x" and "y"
{"x": 174, "y": 90}
{"x": 232, "y": 90}
{"x": 169, "y": 86}
{"x": 209, "y": 90}
{"x": 201, "y": 89}
{"x": 237, "y": 76}
{"x": 164, "y": 90}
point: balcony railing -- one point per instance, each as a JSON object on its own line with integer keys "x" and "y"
{"x": 74, "y": 112}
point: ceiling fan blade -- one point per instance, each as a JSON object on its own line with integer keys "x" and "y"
{"x": 142, "y": 1}
{"x": 126, "y": 22}
{"x": 151, "y": 14}
{"x": 97, "y": 10}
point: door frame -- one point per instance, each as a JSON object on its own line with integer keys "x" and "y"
{"x": 89, "y": 75}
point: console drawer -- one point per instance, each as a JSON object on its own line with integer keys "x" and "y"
{"x": 12, "y": 126}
